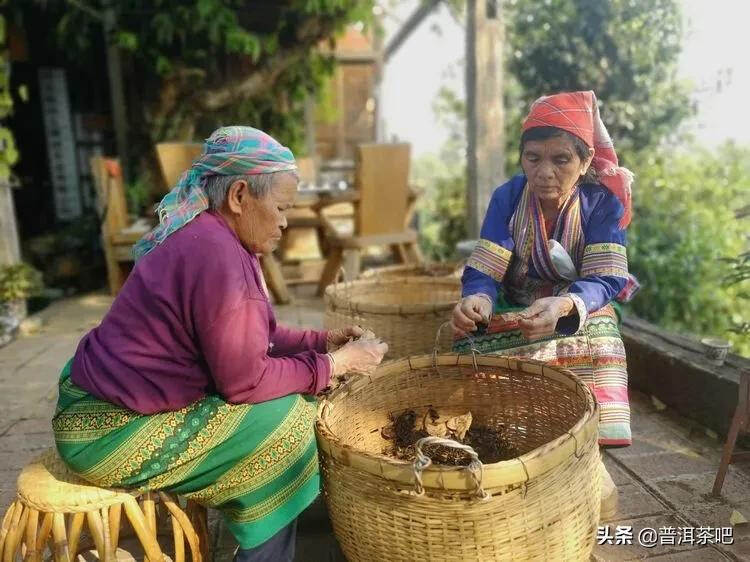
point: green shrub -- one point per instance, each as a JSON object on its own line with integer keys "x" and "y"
{"x": 684, "y": 230}
{"x": 442, "y": 180}
{"x": 19, "y": 281}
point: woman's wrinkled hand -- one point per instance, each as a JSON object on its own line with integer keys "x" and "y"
{"x": 468, "y": 312}
{"x": 359, "y": 356}
{"x": 337, "y": 338}
{"x": 540, "y": 319}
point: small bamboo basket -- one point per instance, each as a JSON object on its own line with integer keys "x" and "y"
{"x": 411, "y": 270}
{"x": 405, "y": 312}
{"x": 541, "y": 505}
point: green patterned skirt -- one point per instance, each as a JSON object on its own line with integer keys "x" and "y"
{"x": 256, "y": 463}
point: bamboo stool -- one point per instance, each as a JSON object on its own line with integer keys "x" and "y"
{"x": 49, "y": 494}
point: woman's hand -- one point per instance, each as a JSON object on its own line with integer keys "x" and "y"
{"x": 469, "y": 311}
{"x": 340, "y": 336}
{"x": 359, "y": 356}
{"x": 540, "y": 319}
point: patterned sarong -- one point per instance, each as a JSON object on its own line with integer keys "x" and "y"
{"x": 256, "y": 463}
{"x": 595, "y": 353}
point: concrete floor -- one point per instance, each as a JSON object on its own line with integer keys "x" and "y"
{"x": 664, "y": 478}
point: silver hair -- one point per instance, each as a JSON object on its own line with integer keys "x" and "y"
{"x": 260, "y": 185}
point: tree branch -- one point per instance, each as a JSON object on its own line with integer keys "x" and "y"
{"x": 96, "y": 14}
{"x": 249, "y": 86}
{"x": 308, "y": 35}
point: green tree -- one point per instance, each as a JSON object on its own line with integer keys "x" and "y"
{"x": 442, "y": 178}
{"x": 197, "y": 64}
{"x": 624, "y": 50}
{"x": 684, "y": 231}
{"x": 8, "y": 152}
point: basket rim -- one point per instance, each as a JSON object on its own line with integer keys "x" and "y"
{"x": 510, "y": 472}
{"x": 449, "y": 267}
{"x": 338, "y": 295}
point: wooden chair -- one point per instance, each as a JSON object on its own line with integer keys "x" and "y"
{"x": 176, "y": 157}
{"x": 740, "y": 424}
{"x": 382, "y": 211}
{"x": 307, "y": 169}
{"x": 118, "y": 235}
{"x": 54, "y": 505}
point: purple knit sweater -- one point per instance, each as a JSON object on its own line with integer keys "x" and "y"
{"x": 192, "y": 319}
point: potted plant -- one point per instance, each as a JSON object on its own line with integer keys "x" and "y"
{"x": 18, "y": 282}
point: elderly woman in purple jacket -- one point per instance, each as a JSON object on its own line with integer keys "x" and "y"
{"x": 189, "y": 384}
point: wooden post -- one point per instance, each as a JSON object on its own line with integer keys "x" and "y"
{"x": 484, "y": 107}
{"x": 9, "y": 245}
{"x": 116, "y": 90}
{"x": 310, "y": 126}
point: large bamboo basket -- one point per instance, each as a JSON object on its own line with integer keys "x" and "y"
{"x": 542, "y": 505}
{"x": 414, "y": 270}
{"x": 405, "y": 313}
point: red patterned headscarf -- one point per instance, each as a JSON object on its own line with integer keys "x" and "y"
{"x": 578, "y": 114}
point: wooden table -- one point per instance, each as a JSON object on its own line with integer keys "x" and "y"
{"x": 304, "y": 243}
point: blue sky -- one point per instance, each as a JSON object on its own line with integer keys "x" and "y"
{"x": 715, "y": 59}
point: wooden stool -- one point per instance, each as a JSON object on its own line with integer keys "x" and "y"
{"x": 51, "y": 499}
{"x": 740, "y": 423}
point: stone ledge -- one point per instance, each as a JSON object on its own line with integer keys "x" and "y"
{"x": 673, "y": 368}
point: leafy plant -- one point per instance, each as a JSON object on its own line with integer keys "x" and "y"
{"x": 442, "y": 178}
{"x": 625, "y": 50}
{"x": 8, "y": 151}
{"x": 194, "y": 65}
{"x": 19, "y": 281}
{"x": 138, "y": 194}
{"x": 683, "y": 231}
{"x": 739, "y": 275}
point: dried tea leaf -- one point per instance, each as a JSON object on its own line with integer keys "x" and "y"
{"x": 388, "y": 432}
{"x": 658, "y": 404}
{"x": 736, "y": 518}
{"x": 432, "y": 424}
{"x": 436, "y": 429}
{"x": 368, "y": 335}
{"x": 459, "y": 425}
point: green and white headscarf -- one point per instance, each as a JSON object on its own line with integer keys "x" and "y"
{"x": 229, "y": 151}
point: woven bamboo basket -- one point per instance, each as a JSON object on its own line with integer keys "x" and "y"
{"x": 404, "y": 312}
{"x": 541, "y": 505}
{"x": 412, "y": 270}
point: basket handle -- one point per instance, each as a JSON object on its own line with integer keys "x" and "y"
{"x": 436, "y": 349}
{"x": 422, "y": 461}
{"x": 459, "y": 269}
{"x": 341, "y": 274}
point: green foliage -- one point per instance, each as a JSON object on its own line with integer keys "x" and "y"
{"x": 198, "y": 64}
{"x": 739, "y": 275}
{"x": 442, "y": 208}
{"x": 69, "y": 255}
{"x": 684, "y": 229}
{"x": 19, "y": 281}
{"x": 624, "y": 50}
{"x": 8, "y": 151}
{"x": 138, "y": 195}
{"x": 442, "y": 178}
